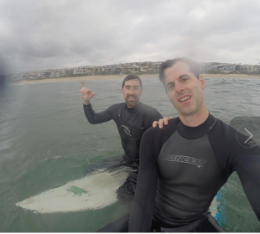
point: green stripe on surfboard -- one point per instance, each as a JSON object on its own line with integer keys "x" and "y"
{"x": 76, "y": 190}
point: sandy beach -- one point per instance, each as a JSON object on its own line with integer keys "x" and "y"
{"x": 111, "y": 77}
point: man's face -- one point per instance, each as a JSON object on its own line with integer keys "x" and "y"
{"x": 184, "y": 90}
{"x": 132, "y": 92}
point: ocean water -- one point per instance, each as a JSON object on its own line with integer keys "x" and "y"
{"x": 46, "y": 142}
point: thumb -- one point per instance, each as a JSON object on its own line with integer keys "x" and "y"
{"x": 93, "y": 94}
{"x": 83, "y": 84}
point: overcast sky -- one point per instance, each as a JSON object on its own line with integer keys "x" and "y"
{"x": 44, "y": 34}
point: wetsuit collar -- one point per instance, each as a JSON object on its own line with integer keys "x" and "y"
{"x": 133, "y": 108}
{"x": 196, "y": 132}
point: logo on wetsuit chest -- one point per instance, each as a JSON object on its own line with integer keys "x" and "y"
{"x": 126, "y": 130}
{"x": 186, "y": 159}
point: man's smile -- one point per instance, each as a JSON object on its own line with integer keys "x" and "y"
{"x": 184, "y": 99}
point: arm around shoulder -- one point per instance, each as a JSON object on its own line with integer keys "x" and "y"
{"x": 151, "y": 115}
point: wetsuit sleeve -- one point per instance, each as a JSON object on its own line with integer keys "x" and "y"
{"x": 232, "y": 156}
{"x": 150, "y": 116}
{"x": 246, "y": 162}
{"x": 96, "y": 118}
{"x": 143, "y": 205}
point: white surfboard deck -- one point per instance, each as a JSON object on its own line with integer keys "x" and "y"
{"x": 94, "y": 191}
{"x": 213, "y": 207}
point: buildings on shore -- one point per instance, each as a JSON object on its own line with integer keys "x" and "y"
{"x": 127, "y": 68}
{"x": 229, "y": 68}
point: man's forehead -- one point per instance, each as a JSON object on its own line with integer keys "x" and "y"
{"x": 132, "y": 82}
{"x": 177, "y": 70}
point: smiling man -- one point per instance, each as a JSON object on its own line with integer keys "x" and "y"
{"x": 132, "y": 118}
{"x": 183, "y": 165}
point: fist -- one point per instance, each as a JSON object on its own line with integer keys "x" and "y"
{"x": 86, "y": 94}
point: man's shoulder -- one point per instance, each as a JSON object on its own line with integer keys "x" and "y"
{"x": 149, "y": 110}
{"x": 147, "y": 107}
{"x": 116, "y": 106}
{"x": 221, "y": 127}
{"x": 114, "y": 109}
{"x": 119, "y": 104}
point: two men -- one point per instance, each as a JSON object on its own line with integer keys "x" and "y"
{"x": 183, "y": 165}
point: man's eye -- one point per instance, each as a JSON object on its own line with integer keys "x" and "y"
{"x": 170, "y": 87}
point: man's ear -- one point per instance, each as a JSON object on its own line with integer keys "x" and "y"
{"x": 202, "y": 82}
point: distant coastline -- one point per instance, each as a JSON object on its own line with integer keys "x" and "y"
{"x": 111, "y": 77}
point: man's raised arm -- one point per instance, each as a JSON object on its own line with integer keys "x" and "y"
{"x": 91, "y": 115}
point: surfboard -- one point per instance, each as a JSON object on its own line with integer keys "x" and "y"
{"x": 91, "y": 192}
{"x": 94, "y": 191}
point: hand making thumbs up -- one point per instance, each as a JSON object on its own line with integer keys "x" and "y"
{"x": 86, "y": 94}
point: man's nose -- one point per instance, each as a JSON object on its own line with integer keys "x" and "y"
{"x": 179, "y": 87}
{"x": 131, "y": 91}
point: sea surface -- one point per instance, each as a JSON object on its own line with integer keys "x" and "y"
{"x": 46, "y": 142}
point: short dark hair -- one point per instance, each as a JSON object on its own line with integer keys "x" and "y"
{"x": 193, "y": 66}
{"x": 132, "y": 77}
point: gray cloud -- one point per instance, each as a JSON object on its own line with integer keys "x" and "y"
{"x": 37, "y": 35}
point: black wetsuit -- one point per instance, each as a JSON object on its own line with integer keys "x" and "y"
{"x": 131, "y": 123}
{"x": 182, "y": 169}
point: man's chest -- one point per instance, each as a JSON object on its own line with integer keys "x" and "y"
{"x": 130, "y": 125}
{"x": 188, "y": 161}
